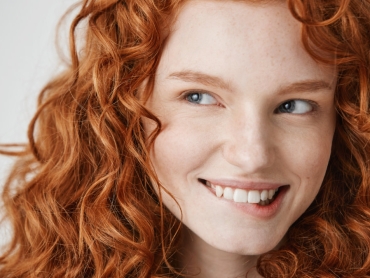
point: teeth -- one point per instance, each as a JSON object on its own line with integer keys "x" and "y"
{"x": 254, "y": 197}
{"x": 228, "y": 193}
{"x": 264, "y": 195}
{"x": 219, "y": 191}
{"x": 271, "y": 193}
{"x": 238, "y": 195}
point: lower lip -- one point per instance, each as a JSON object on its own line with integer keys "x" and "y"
{"x": 255, "y": 210}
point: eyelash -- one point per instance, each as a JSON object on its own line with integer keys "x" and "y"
{"x": 201, "y": 94}
{"x": 301, "y": 102}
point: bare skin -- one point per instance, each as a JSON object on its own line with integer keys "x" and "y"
{"x": 246, "y": 110}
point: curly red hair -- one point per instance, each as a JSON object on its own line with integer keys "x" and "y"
{"x": 80, "y": 198}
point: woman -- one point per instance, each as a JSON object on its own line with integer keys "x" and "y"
{"x": 200, "y": 138}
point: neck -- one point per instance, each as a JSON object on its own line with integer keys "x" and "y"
{"x": 201, "y": 260}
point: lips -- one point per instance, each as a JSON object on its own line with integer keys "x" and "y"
{"x": 262, "y": 197}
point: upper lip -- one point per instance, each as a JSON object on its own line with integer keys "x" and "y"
{"x": 247, "y": 184}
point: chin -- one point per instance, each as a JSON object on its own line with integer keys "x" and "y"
{"x": 244, "y": 243}
{"x": 255, "y": 248}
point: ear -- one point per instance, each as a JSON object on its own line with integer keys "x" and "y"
{"x": 143, "y": 92}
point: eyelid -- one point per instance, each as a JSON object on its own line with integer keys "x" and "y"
{"x": 314, "y": 104}
{"x": 186, "y": 93}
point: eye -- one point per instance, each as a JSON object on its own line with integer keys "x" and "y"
{"x": 200, "y": 98}
{"x": 295, "y": 107}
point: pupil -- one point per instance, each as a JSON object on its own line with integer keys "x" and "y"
{"x": 195, "y": 97}
{"x": 288, "y": 106}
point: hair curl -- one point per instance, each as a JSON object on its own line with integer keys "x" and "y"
{"x": 80, "y": 198}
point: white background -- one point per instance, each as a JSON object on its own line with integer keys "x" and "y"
{"x": 28, "y": 58}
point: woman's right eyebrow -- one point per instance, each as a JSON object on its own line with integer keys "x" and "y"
{"x": 202, "y": 78}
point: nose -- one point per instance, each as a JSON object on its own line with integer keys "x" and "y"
{"x": 250, "y": 144}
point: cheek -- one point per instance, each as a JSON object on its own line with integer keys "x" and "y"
{"x": 316, "y": 159}
{"x": 309, "y": 149}
{"x": 311, "y": 157}
{"x": 178, "y": 150}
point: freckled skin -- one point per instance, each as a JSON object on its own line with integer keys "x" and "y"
{"x": 257, "y": 50}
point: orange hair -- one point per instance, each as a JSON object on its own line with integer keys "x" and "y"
{"x": 80, "y": 198}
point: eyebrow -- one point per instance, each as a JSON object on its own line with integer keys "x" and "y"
{"x": 210, "y": 80}
{"x": 202, "y": 78}
{"x": 305, "y": 86}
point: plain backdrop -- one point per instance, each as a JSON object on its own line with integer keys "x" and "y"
{"x": 28, "y": 58}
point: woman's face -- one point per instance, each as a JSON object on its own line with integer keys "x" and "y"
{"x": 245, "y": 112}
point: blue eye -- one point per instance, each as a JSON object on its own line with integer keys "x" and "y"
{"x": 295, "y": 107}
{"x": 200, "y": 98}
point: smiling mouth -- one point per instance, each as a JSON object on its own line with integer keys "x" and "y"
{"x": 238, "y": 195}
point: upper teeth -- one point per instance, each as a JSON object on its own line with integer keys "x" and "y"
{"x": 243, "y": 196}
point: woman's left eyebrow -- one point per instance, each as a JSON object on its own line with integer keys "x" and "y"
{"x": 202, "y": 78}
{"x": 305, "y": 86}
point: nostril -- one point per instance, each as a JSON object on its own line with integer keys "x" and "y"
{"x": 250, "y": 157}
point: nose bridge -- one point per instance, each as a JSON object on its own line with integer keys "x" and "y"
{"x": 250, "y": 142}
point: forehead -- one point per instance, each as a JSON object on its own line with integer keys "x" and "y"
{"x": 235, "y": 39}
